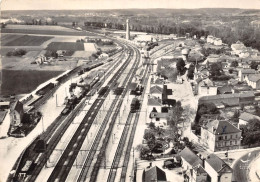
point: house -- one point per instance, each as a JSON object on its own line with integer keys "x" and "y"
{"x": 253, "y": 80}
{"x": 159, "y": 119}
{"x": 245, "y": 72}
{"x": 154, "y": 174}
{"x": 189, "y": 159}
{"x": 217, "y": 169}
{"x": 156, "y": 91}
{"x": 238, "y": 47}
{"x": 220, "y": 135}
{"x": 226, "y": 89}
{"x": 154, "y": 103}
{"x": 157, "y": 81}
{"x": 233, "y": 81}
{"x": 16, "y": 113}
{"x": 192, "y": 166}
{"x": 210, "y": 39}
{"x": 217, "y": 42}
{"x": 206, "y": 87}
{"x": 245, "y": 117}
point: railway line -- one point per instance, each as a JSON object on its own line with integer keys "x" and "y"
{"x": 126, "y": 142}
{"x": 53, "y": 134}
{"x": 95, "y": 170}
{"x": 63, "y": 166}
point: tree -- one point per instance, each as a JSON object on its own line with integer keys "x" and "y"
{"x": 180, "y": 66}
{"x": 254, "y": 65}
{"x": 216, "y": 69}
{"x": 257, "y": 111}
{"x": 152, "y": 125}
{"x": 149, "y": 136}
{"x": 3, "y": 25}
{"x": 190, "y": 73}
{"x": 144, "y": 151}
{"x": 230, "y": 71}
{"x": 234, "y": 64}
{"x": 235, "y": 116}
{"x": 174, "y": 118}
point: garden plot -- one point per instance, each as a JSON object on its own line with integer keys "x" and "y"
{"x": 72, "y": 46}
{"x": 26, "y": 40}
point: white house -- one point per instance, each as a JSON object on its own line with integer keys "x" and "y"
{"x": 220, "y": 135}
{"x": 217, "y": 41}
{"x": 245, "y": 72}
{"x": 217, "y": 169}
{"x": 156, "y": 91}
{"x": 253, "y": 80}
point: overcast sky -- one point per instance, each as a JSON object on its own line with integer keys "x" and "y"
{"x": 124, "y": 4}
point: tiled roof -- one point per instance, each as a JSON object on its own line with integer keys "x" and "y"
{"x": 156, "y": 90}
{"x": 154, "y": 102}
{"x": 190, "y": 157}
{"x": 159, "y": 115}
{"x": 248, "y": 116}
{"x": 219, "y": 127}
{"x": 248, "y": 71}
{"x": 225, "y": 96}
{"x": 154, "y": 174}
{"x": 216, "y": 163}
{"x": 254, "y": 78}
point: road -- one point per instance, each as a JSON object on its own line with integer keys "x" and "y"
{"x": 240, "y": 169}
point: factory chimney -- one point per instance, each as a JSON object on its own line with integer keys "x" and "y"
{"x": 127, "y": 30}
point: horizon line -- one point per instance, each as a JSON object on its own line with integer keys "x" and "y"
{"x": 130, "y": 9}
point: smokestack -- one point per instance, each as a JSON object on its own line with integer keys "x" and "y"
{"x": 127, "y": 30}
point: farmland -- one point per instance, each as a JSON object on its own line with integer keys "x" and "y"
{"x": 24, "y": 40}
{"x": 73, "y": 46}
{"x": 24, "y": 81}
{"x": 44, "y": 30}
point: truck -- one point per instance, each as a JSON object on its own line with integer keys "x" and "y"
{"x": 135, "y": 105}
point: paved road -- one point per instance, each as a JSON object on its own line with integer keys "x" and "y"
{"x": 240, "y": 169}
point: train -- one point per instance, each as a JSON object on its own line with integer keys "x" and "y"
{"x": 135, "y": 105}
{"x": 76, "y": 98}
{"x": 151, "y": 45}
{"x": 45, "y": 89}
{"x": 88, "y": 68}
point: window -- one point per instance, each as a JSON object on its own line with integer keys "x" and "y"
{"x": 230, "y": 142}
{"x": 225, "y": 143}
{"x": 225, "y": 137}
{"x": 236, "y": 135}
{"x": 157, "y": 119}
{"x": 220, "y": 138}
{"x": 230, "y": 136}
{"x": 14, "y": 116}
{"x": 235, "y": 142}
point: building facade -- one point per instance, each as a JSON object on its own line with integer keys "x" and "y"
{"x": 220, "y": 135}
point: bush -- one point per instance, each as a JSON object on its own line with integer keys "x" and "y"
{"x": 17, "y": 52}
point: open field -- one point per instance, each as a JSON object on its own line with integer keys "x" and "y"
{"x": 5, "y": 38}
{"x": 44, "y": 29}
{"x": 25, "y": 40}
{"x": 73, "y": 46}
{"x": 24, "y": 81}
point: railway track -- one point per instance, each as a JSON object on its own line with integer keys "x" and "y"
{"x": 54, "y": 132}
{"x": 68, "y": 157}
{"x": 128, "y": 133}
{"x": 94, "y": 172}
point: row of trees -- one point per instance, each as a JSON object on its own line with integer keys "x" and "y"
{"x": 17, "y": 52}
{"x": 41, "y": 22}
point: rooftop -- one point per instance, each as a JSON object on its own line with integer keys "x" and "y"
{"x": 216, "y": 163}
{"x": 154, "y": 174}
{"x": 219, "y": 127}
{"x": 254, "y": 78}
{"x": 154, "y": 102}
{"x": 156, "y": 90}
{"x": 248, "y": 116}
{"x": 248, "y": 71}
{"x": 190, "y": 157}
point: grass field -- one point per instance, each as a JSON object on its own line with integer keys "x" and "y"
{"x": 25, "y": 40}
{"x": 73, "y": 46}
{"x": 46, "y": 32}
{"x": 24, "y": 81}
{"x": 5, "y": 38}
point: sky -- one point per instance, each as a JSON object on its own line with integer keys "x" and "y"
{"x": 125, "y": 4}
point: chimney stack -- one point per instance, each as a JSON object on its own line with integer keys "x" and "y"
{"x": 127, "y": 30}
